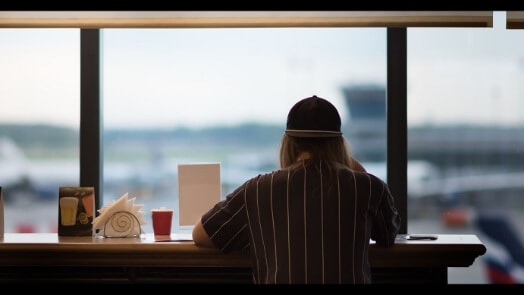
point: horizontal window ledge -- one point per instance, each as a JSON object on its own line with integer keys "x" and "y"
{"x": 515, "y": 20}
{"x": 242, "y": 19}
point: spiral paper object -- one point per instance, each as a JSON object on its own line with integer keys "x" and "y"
{"x": 122, "y": 224}
{"x": 121, "y": 218}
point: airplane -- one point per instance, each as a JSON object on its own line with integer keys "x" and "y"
{"x": 26, "y": 180}
{"x": 30, "y": 187}
{"x": 15, "y": 177}
{"x": 461, "y": 197}
{"x": 504, "y": 258}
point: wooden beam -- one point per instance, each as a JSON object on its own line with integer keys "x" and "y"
{"x": 242, "y": 19}
{"x": 515, "y": 20}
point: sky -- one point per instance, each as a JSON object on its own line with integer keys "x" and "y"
{"x": 201, "y": 77}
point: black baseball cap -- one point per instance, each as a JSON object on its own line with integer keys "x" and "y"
{"x": 313, "y": 117}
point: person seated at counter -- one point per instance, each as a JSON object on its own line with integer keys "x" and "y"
{"x": 310, "y": 221}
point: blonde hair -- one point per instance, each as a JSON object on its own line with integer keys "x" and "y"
{"x": 334, "y": 149}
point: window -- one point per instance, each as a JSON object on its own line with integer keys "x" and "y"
{"x": 465, "y": 129}
{"x": 39, "y": 128}
{"x": 174, "y": 96}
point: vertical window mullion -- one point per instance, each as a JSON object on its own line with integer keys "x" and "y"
{"x": 396, "y": 112}
{"x": 90, "y": 112}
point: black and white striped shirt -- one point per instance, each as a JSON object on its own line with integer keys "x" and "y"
{"x": 301, "y": 226}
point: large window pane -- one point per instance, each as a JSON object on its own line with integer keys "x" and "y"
{"x": 39, "y": 124}
{"x": 173, "y": 96}
{"x": 466, "y": 133}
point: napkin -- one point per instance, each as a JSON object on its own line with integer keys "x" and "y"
{"x": 120, "y": 218}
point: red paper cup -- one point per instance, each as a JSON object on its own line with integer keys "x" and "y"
{"x": 162, "y": 220}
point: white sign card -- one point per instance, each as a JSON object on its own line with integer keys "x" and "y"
{"x": 199, "y": 188}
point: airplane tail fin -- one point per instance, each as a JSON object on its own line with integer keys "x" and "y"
{"x": 504, "y": 259}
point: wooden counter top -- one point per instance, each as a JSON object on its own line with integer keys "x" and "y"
{"x": 48, "y": 249}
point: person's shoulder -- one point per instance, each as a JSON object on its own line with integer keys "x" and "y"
{"x": 279, "y": 173}
{"x": 363, "y": 175}
{"x": 374, "y": 178}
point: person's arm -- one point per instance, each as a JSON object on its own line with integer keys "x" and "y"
{"x": 200, "y": 236}
{"x": 387, "y": 220}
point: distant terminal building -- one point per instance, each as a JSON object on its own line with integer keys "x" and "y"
{"x": 447, "y": 147}
{"x": 367, "y": 127}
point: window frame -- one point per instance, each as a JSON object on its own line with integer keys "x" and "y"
{"x": 91, "y": 128}
{"x": 396, "y": 22}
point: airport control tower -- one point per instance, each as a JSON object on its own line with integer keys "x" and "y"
{"x": 449, "y": 147}
{"x": 367, "y": 126}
